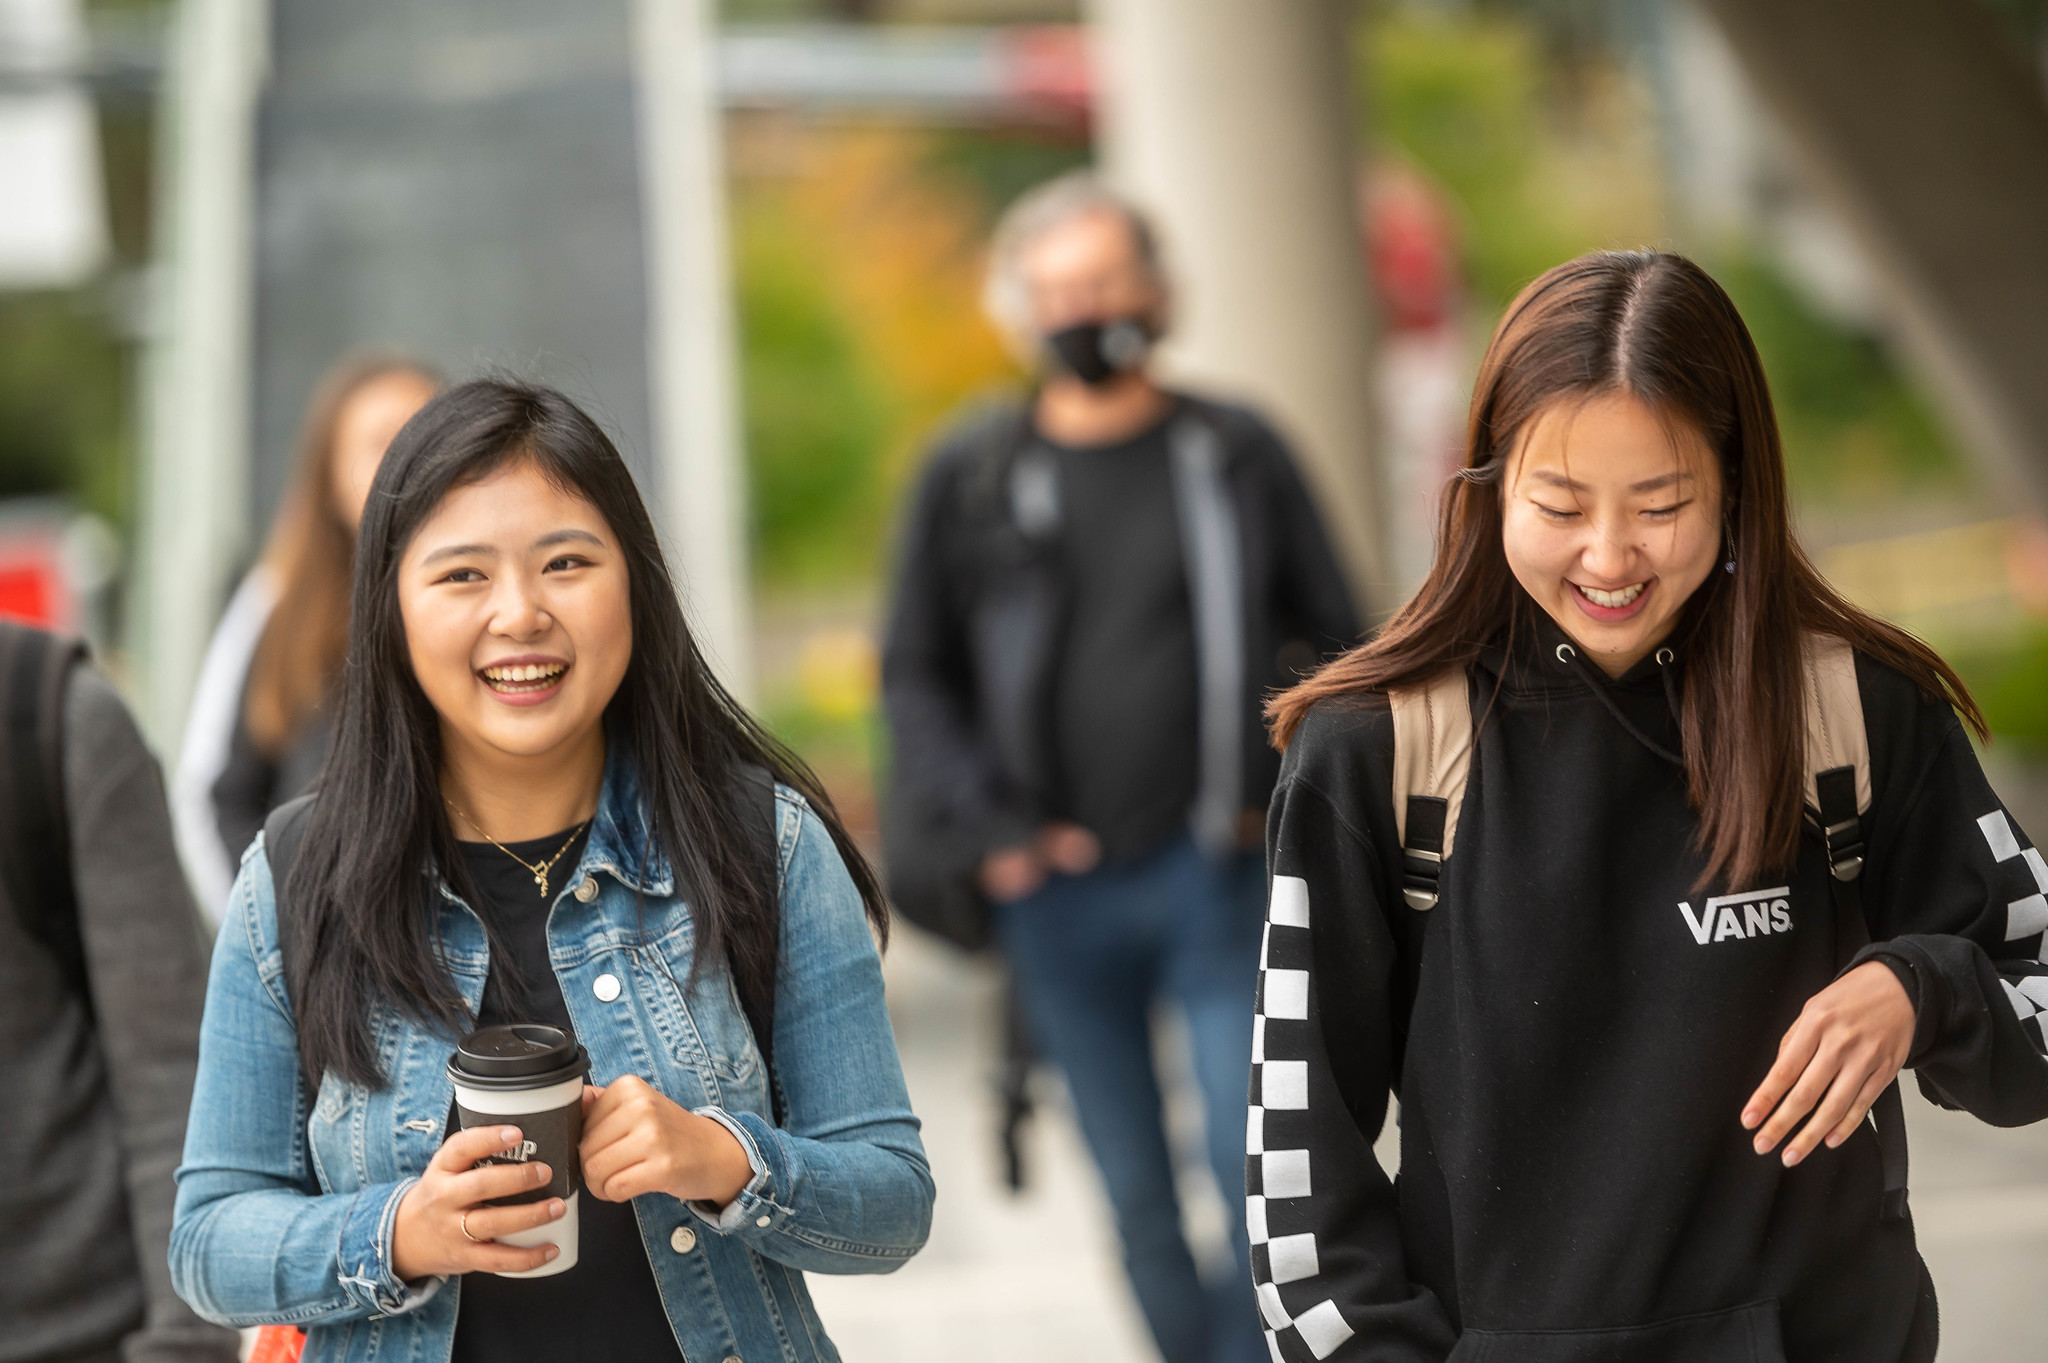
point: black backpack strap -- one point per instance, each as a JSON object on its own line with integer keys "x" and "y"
{"x": 757, "y": 785}
{"x": 283, "y": 832}
{"x": 1842, "y": 832}
{"x": 35, "y": 827}
{"x": 1841, "y": 827}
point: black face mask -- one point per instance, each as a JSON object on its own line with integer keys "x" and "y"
{"x": 1096, "y": 352}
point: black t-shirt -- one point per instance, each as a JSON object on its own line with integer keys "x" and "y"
{"x": 1126, "y": 706}
{"x": 607, "y": 1306}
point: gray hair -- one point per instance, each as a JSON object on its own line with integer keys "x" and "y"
{"x": 1036, "y": 212}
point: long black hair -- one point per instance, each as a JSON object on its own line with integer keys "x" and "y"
{"x": 366, "y": 914}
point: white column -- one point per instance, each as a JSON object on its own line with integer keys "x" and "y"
{"x": 1232, "y": 123}
{"x": 195, "y": 467}
{"x": 701, "y": 502}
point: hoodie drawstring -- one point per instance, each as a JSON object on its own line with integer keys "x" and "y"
{"x": 1582, "y": 669}
{"x": 1669, "y": 676}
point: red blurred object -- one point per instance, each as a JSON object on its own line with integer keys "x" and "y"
{"x": 1046, "y": 68}
{"x": 1411, "y": 247}
{"x": 278, "y": 1344}
{"x": 25, "y": 595}
{"x": 33, "y": 584}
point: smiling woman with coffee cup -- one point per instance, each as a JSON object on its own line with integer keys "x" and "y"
{"x": 546, "y": 840}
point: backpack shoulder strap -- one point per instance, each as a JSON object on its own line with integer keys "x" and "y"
{"x": 35, "y": 827}
{"x": 757, "y": 785}
{"x": 1835, "y": 736}
{"x": 1432, "y": 758}
{"x": 990, "y": 444}
{"x": 283, "y": 831}
{"x": 1838, "y": 790}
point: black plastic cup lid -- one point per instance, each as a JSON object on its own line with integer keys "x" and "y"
{"x": 524, "y": 1055}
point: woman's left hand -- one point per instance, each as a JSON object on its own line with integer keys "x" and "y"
{"x": 1851, "y": 1040}
{"x": 637, "y": 1141}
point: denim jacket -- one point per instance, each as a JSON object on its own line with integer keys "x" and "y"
{"x": 287, "y": 1199}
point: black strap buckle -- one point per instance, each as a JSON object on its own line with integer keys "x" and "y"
{"x": 1422, "y": 851}
{"x": 1840, "y": 825}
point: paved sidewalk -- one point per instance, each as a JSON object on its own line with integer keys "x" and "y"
{"x": 1004, "y": 1278}
{"x": 1980, "y": 1208}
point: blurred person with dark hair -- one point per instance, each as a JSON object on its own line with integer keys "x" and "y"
{"x": 259, "y": 723}
{"x": 102, "y": 977}
{"x": 1097, "y": 587}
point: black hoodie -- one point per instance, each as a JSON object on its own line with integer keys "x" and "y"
{"x": 1573, "y": 1031}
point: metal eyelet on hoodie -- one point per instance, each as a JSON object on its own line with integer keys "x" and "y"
{"x": 1665, "y": 657}
{"x": 1597, "y": 689}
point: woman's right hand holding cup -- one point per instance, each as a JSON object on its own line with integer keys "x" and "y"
{"x": 427, "y": 1238}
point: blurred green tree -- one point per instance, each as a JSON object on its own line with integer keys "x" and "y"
{"x": 1543, "y": 148}
{"x": 65, "y": 402}
{"x": 1855, "y": 428}
{"x": 814, "y": 413}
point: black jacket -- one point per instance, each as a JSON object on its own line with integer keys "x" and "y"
{"x": 974, "y": 634}
{"x": 1572, "y": 1057}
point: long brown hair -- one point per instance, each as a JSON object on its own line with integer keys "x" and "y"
{"x": 1655, "y": 326}
{"x": 311, "y": 555}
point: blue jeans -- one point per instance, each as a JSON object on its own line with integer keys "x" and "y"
{"x": 1090, "y": 954}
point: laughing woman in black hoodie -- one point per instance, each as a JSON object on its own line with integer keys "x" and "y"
{"x": 1624, "y": 1138}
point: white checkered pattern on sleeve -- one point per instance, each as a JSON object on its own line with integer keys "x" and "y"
{"x": 2026, "y": 917}
{"x": 1284, "y": 1268}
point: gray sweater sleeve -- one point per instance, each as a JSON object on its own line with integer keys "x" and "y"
{"x": 146, "y": 958}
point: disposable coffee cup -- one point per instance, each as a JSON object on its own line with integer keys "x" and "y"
{"x": 530, "y": 1076}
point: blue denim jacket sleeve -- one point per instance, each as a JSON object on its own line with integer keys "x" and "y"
{"x": 843, "y": 1185}
{"x": 254, "y": 1241}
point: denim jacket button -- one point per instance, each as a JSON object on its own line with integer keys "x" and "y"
{"x": 606, "y": 987}
{"x": 682, "y": 1240}
{"x": 586, "y": 889}
{"x": 761, "y": 1221}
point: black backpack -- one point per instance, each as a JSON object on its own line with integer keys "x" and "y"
{"x": 35, "y": 829}
{"x": 285, "y": 830}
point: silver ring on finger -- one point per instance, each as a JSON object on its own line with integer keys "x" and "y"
{"x": 462, "y": 1221}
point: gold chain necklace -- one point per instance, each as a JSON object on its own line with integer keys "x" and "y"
{"x": 540, "y": 869}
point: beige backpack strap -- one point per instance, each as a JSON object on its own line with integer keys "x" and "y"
{"x": 1837, "y": 751}
{"x": 1432, "y": 758}
{"x": 1838, "y": 785}
{"x": 1835, "y": 736}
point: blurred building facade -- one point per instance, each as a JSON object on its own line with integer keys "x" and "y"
{"x": 516, "y": 188}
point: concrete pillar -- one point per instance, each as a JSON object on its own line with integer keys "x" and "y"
{"x": 1232, "y": 122}
{"x": 1932, "y": 139}
{"x": 690, "y": 343}
{"x": 195, "y": 466}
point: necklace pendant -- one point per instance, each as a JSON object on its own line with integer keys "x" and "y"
{"x": 540, "y": 878}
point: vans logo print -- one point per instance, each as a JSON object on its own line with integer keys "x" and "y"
{"x": 1753, "y": 913}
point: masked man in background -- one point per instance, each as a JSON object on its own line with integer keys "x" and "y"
{"x": 1097, "y": 587}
